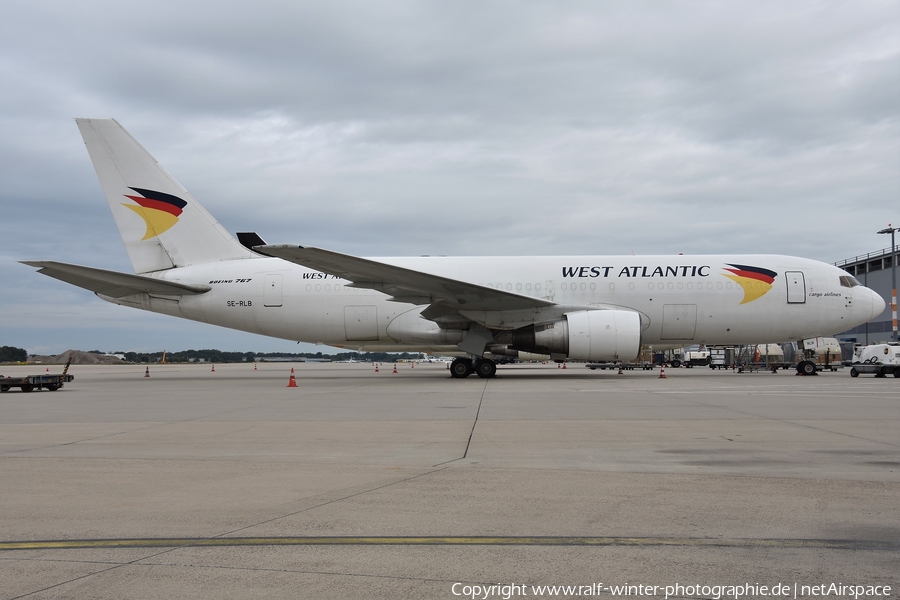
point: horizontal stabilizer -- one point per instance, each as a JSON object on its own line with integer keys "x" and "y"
{"x": 113, "y": 283}
{"x": 405, "y": 285}
{"x": 249, "y": 239}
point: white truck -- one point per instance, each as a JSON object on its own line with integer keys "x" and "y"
{"x": 878, "y": 359}
{"x": 695, "y": 358}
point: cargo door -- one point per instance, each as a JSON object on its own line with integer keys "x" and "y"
{"x": 679, "y": 321}
{"x": 361, "y": 323}
{"x": 796, "y": 287}
{"x": 272, "y": 292}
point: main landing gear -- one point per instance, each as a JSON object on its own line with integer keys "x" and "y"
{"x": 463, "y": 367}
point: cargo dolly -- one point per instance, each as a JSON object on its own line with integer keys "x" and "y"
{"x": 36, "y": 382}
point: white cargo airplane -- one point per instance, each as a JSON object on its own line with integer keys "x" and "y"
{"x": 591, "y": 308}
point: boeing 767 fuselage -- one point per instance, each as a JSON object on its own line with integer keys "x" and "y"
{"x": 592, "y": 308}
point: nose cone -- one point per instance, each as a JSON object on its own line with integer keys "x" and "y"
{"x": 878, "y": 304}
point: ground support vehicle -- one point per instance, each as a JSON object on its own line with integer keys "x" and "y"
{"x": 718, "y": 358}
{"x": 696, "y": 358}
{"x": 30, "y": 383}
{"x": 880, "y": 360}
{"x": 874, "y": 368}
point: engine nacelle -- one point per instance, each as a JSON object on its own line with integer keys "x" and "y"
{"x": 592, "y": 335}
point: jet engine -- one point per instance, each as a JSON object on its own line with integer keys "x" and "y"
{"x": 592, "y": 335}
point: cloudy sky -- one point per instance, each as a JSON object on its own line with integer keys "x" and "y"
{"x": 455, "y": 127}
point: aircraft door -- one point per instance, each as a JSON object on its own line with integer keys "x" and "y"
{"x": 679, "y": 322}
{"x": 361, "y": 323}
{"x": 272, "y": 291}
{"x": 796, "y": 287}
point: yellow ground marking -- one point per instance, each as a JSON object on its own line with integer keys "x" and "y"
{"x": 446, "y": 541}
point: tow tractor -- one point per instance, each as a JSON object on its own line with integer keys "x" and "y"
{"x": 30, "y": 383}
{"x": 880, "y": 359}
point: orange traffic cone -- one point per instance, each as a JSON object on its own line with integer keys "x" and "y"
{"x": 254, "y": 366}
{"x": 564, "y": 366}
{"x": 213, "y": 369}
{"x": 662, "y": 372}
{"x": 147, "y": 372}
{"x": 293, "y": 381}
{"x": 558, "y": 366}
{"x": 48, "y": 370}
{"x": 412, "y": 365}
{"x": 621, "y": 372}
{"x": 395, "y": 368}
{"x": 376, "y": 367}
{"x": 448, "y": 366}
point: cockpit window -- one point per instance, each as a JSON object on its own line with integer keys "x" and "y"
{"x": 849, "y": 281}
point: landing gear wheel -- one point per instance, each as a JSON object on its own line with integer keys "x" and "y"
{"x": 486, "y": 368}
{"x": 806, "y": 367}
{"x": 460, "y": 368}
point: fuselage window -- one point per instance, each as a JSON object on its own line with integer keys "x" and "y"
{"x": 527, "y": 286}
{"x": 518, "y": 287}
{"x": 308, "y": 287}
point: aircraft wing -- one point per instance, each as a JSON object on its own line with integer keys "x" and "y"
{"x": 113, "y": 283}
{"x": 404, "y": 285}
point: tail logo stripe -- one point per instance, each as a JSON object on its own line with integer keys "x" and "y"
{"x": 160, "y": 211}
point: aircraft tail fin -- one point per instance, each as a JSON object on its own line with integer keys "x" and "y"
{"x": 159, "y": 221}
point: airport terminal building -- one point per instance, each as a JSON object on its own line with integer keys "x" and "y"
{"x": 873, "y": 270}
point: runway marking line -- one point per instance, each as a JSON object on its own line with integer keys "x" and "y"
{"x": 447, "y": 541}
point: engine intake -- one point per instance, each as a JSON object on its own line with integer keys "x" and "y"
{"x": 592, "y": 335}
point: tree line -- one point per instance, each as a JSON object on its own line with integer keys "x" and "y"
{"x": 12, "y": 354}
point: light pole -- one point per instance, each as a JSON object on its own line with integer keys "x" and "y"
{"x": 891, "y": 231}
